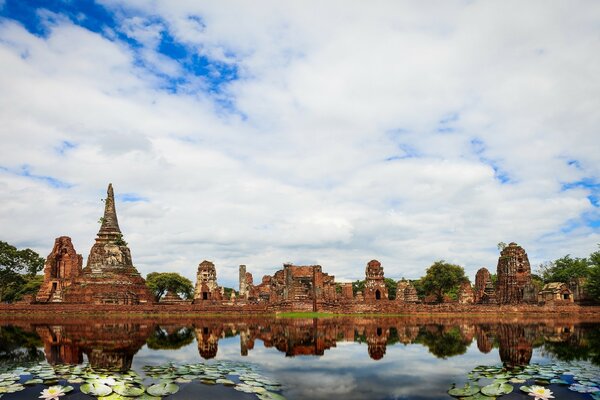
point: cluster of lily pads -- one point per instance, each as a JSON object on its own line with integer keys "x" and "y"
{"x": 160, "y": 381}
{"x": 249, "y": 380}
{"x": 491, "y": 382}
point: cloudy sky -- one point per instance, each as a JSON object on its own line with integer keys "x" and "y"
{"x": 330, "y": 132}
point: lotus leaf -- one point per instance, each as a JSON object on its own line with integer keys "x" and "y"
{"x": 208, "y": 381}
{"x": 478, "y": 396}
{"x": 559, "y": 381}
{"x": 113, "y": 396}
{"x": 226, "y": 382}
{"x": 128, "y": 390}
{"x": 33, "y": 382}
{"x": 162, "y": 389}
{"x": 95, "y": 389}
{"x": 497, "y": 389}
{"x": 525, "y": 389}
{"x": 467, "y": 390}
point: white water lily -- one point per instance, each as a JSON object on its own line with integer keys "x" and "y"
{"x": 52, "y": 393}
{"x": 540, "y": 393}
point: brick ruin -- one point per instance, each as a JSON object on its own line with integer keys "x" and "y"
{"x": 514, "y": 273}
{"x": 109, "y": 276}
{"x": 406, "y": 292}
{"x": 465, "y": 293}
{"x": 375, "y": 288}
{"x": 206, "y": 283}
{"x": 62, "y": 265}
{"x": 484, "y": 292}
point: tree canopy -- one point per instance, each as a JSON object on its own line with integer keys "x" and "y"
{"x": 17, "y": 267}
{"x": 160, "y": 283}
{"x": 565, "y": 269}
{"x": 443, "y": 278}
{"x": 593, "y": 282}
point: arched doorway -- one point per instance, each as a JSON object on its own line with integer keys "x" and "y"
{"x": 377, "y": 295}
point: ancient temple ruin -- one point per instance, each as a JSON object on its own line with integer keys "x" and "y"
{"x": 514, "y": 273}
{"x": 109, "y": 276}
{"x": 465, "y": 293}
{"x": 62, "y": 265}
{"x": 406, "y": 292}
{"x": 375, "y": 288}
{"x": 206, "y": 283}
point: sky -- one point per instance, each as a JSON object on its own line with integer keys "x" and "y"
{"x": 311, "y": 132}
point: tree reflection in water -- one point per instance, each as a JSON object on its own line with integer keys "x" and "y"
{"x": 114, "y": 345}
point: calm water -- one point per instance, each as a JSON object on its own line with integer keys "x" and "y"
{"x": 347, "y": 358}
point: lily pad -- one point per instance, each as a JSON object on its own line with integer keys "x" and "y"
{"x": 33, "y": 382}
{"x": 497, "y": 389}
{"x": 467, "y": 390}
{"x": 128, "y": 390}
{"x": 525, "y": 389}
{"x": 95, "y": 389}
{"x": 478, "y": 396}
{"x": 162, "y": 389}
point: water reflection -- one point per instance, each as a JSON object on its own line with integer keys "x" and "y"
{"x": 114, "y": 345}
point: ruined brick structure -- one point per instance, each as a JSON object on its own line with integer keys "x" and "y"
{"x": 406, "y": 292}
{"x": 245, "y": 282}
{"x": 109, "y": 276}
{"x": 482, "y": 279}
{"x": 172, "y": 298}
{"x": 346, "y": 291}
{"x": 206, "y": 283}
{"x": 465, "y": 293}
{"x": 62, "y": 265}
{"x": 375, "y": 289}
{"x": 514, "y": 273}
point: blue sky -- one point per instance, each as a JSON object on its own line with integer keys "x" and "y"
{"x": 329, "y": 133}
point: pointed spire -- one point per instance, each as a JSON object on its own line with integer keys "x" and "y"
{"x": 110, "y": 224}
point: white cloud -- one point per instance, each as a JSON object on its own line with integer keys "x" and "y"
{"x": 328, "y": 93}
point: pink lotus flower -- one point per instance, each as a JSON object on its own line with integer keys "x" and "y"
{"x": 52, "y": 393}
{"x": 540, "y": 393}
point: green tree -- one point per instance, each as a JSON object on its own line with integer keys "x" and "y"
{"x": 160, "y": 283}
{"x": 565, "y": 269}
{"x": 391, "y": 285}
{"x": 358, "y": 286}
{"x": 15, "y": 266}
{"x": 443, "y": 278}
{"x": 593, "y": 281}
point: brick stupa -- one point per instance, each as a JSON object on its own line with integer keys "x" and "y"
{"x": 109, "y": 276}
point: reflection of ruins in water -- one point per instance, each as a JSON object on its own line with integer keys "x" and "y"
{"x": 114, "y": 345}
{"x": 109, "y": 346}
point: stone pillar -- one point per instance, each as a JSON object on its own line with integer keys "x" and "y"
{"x": 242, "y": 280}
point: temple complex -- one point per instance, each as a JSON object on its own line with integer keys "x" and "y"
{"x": 62, "y": 265}
{"x": 514, "y": 273}
{"x": 109, "y": 276}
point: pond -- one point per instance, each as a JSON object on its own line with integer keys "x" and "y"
{"x": 299, "y": 358}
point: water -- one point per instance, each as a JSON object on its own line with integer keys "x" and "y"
{"x": 325, "y": 358}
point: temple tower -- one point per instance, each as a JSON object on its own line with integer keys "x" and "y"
{"x": 109, "y": 276}
{"x": 62, "y": 265}
{"x": 206, "y": 282}
{"x": 375, "y": 288}
{"x": 514, "y": 273}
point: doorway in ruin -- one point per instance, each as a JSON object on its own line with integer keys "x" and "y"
{"x": 204, "y": 295}
{"x": 377, "y": 294}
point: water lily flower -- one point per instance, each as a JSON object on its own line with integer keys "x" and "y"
{"x": 52, "y": 393}
{"x": 540, "y": 393}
